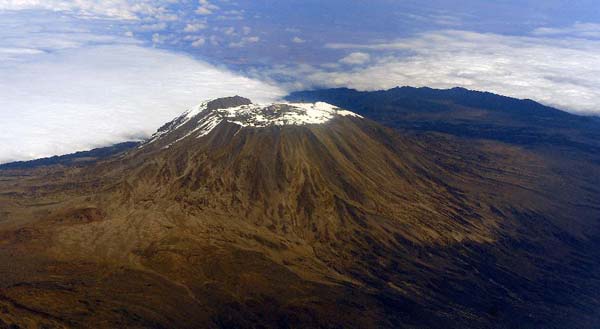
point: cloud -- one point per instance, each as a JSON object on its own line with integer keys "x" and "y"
{"x": 561, "y": 72}
{"x": 244, "y": 41}
{"x": 579, "y": 30}
{"x": 206, "y": 8}
{"x": 298, "y": 40}
{"x": 152, "y": 27}
{"x": 356, "y": 58}
{"x": 203, "y": 11}
{"x": 434, "y": 18}
{"x": 23, "y": 36}
{"x": 77, "y": 99}
{"x": 229, "y": 31}
{"x": 231, "y": 15}
{"x": 194, "y": 27}
{"x": 120, "y": 9}
{"x": 199, "y": 42}
{"x": 158, "y": 39}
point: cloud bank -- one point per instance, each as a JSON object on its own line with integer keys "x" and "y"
{"x": 81, "y": 98}
{"x": 119, "y": 9}
{"x": 71, "y": 79}
{"x": 561, "y": 72}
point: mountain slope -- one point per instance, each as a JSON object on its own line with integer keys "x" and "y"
{"x": 468, "y": 114}
{"x": 302, "y": 215}
{"x": 73, "y": 158}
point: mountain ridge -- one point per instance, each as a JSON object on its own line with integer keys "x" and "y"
{"x": 468, "y": 114}
{"x": 76, "y": 158}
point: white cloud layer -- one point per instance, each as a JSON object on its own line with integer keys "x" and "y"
{"x": 560, "y": 72}
{"x": 121, "y": 9}
{"x": 356, "y": 58}
{"x": 77, "y": 99}
{"x": 113, "y": 8}
{"x": 579, "y": 30}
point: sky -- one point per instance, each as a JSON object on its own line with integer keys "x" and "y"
{"x": 78, "y": 74}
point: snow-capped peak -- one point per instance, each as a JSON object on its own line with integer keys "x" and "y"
{"x": 203, "y": 118}
{"x": 280, "y": 114}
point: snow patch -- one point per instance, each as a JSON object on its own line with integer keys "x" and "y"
{"x": 277, "y": 114}
{"x": 252, "y": 115}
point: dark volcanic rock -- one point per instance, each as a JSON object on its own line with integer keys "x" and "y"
{"x": 227, "y": 102}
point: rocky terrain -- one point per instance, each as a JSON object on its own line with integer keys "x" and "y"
{"x": 236, "y": 215}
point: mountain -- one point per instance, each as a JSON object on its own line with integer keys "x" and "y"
{"x": 302, "y": 215}
{"x": 76, "y": 158}
{"x": 468, "y": 114}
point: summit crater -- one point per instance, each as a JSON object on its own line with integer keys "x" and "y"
{"x": 202, "y": 119}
